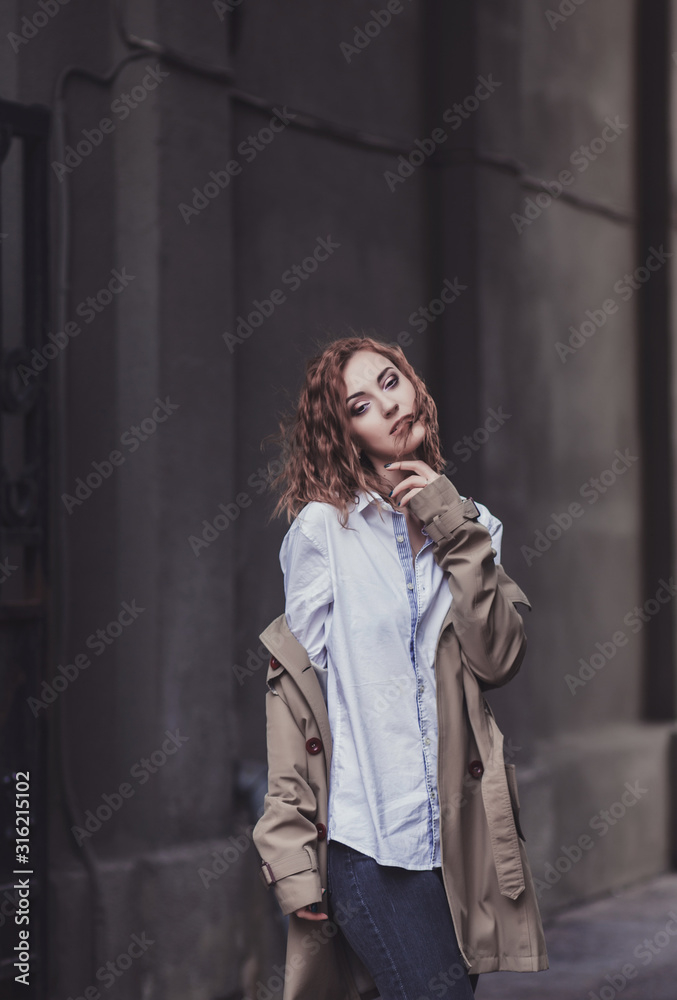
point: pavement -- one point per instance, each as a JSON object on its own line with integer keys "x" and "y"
{"x": 622, "y": 945}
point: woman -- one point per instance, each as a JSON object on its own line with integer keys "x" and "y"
{"x": 395, "y": 595}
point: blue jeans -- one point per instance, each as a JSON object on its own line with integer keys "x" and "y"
{"x": 399, "y": 925}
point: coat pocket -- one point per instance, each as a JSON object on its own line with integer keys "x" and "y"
{"x": 514, "y": 798}
{"x": 511, "y": 589}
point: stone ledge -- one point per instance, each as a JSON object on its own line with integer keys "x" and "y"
{"x": 597, "y": 810}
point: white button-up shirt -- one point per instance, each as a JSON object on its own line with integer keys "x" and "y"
{"x": 369, "y": 617}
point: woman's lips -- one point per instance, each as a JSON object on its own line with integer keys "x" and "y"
{"x": 399, "y": 424}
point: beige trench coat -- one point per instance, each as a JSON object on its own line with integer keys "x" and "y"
{"x": 484, "y": 863}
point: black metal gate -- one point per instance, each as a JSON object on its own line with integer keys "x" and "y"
{"x": 24, "y": 552}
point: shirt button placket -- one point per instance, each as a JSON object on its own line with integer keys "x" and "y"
{"x": 432, "y": 839}
{"x": 410, "y": 568}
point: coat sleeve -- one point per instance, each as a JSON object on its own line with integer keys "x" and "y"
{"x": 286, "y": 836}
{"x": 490, "y": 630}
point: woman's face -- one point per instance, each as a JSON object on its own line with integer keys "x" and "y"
{"x": 377, "y": 396}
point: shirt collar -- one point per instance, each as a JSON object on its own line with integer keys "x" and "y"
{"x": 365, "y": 498}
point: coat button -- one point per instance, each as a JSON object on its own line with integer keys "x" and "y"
{"x": 321, "y": 831}
{"x": 476, "y": 768}
{"x": 313, "y": 745}
{"x": 274, "y": 663}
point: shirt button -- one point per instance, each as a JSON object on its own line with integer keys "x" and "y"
{"x": 411, "y": 586}
{"x": 420, "y": 689}
{"x": 400, "y": 538}
{"x": 426, "y": 741}
{"x": 432, "y": 794}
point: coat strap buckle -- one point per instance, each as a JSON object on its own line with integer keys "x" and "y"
{"x": 266, "y": 873}
{"x": 445, "y": 523}
{"x": 290, "y": 864}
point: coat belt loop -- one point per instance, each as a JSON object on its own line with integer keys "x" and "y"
{"x": 265, "y": 868}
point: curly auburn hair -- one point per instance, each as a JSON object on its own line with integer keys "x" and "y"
{"x": 320, "y": 459}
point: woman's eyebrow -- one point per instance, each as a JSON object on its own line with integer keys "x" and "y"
{"x": 363, "y": 391}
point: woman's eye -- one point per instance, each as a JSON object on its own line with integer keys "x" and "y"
{"x": 388, "y": 384}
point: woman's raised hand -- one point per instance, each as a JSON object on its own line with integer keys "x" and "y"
{"x": 421, "y": 476}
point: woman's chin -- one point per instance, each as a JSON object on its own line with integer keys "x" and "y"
{"x": 408, "y": 443}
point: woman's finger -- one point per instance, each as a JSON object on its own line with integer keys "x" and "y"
{"x": 407, "y": 484}
{"x": 309, "y": 915}
{"x": 408, "y": 463}
{"x": 404, "y": 500}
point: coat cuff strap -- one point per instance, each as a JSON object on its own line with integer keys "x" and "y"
{"x": 442, "y": 508}
{"x": 291, "y": 864}
{"x": 443, "y": 525}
